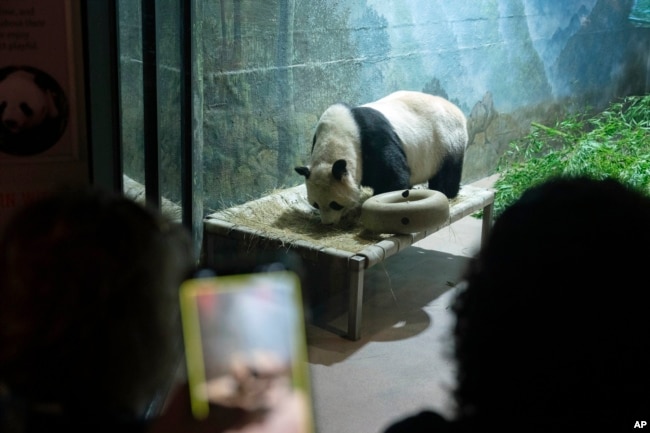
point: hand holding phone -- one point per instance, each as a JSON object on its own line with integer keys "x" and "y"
{"x": 245, "y": 347}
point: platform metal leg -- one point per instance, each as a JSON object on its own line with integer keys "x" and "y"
{"x": 487, "y": 222}
{"x": 356, "y": 268}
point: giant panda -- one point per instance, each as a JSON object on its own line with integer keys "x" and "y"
{"x": 396, "y": 142}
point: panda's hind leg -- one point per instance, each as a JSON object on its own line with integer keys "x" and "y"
{"x": 447, "y": 179}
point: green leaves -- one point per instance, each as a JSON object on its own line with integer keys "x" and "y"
{"x": 615, "y": 144}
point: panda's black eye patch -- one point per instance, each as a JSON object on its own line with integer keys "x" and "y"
{"x": 26, "y": 109}
{"x": 316, "y": 205}
{"x": 335, "y": 206}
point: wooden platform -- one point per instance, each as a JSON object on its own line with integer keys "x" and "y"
{"x": 339, "y": 256}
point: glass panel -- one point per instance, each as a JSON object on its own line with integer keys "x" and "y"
{"x": 269, "y": 68}
{"x": 130, "y": 39}
{"x": 168, "y": 96}
{"x": 264, "y": 71}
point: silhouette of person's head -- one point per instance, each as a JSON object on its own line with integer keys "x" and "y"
{"x": 89, "y": 323}
{"x": 552, "y": 328}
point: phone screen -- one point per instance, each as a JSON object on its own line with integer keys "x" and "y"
{"x": 245, "y": 344}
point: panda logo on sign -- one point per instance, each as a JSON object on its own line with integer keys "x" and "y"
{"x": 399, "y": 141}
{"x": 33, "y": 111}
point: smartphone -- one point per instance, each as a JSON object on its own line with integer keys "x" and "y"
{"x": 245, "y": 343}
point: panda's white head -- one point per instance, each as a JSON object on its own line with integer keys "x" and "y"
{"x": 332, "y": 178}
{"x": 331, "y": 189}
{"x": 24, "y": 104}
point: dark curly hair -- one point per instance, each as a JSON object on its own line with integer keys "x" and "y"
{"x": 88, "y": 302}
{"x": 552, "y": 327}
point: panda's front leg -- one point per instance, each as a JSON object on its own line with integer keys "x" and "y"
{"x": 399, "y": 180}
{"x": 386, "y": 174}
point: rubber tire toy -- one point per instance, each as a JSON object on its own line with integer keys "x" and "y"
{"x": 407, "y": 211}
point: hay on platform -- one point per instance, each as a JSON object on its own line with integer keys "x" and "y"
{"x": 285, "y": 215}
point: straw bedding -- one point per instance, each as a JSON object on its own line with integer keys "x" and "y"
{"x": 286, "y": 215}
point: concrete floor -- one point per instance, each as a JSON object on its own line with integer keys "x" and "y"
{"x": 402, "y": 362}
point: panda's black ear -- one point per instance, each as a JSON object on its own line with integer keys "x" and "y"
{"x": 303, "y": 171}
{"x": 339, "y": 169}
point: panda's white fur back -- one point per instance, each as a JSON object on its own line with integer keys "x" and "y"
{"x": 406, "y": 110}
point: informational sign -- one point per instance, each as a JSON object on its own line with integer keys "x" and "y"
{"x": 42, "y": 132}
